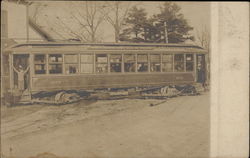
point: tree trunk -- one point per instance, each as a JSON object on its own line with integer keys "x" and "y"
{"x": 117, "y": 35}
{"x": 117, "y": 29}
{"x": 145, "y": 34}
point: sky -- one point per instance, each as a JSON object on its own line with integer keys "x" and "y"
{"x": 196, "y": 13}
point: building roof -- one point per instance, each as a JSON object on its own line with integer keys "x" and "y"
{"x": 45, "y": 35}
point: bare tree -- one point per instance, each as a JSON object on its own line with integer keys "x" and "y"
{"x": 89, "y": 16}
{"x": 115, "y": 13}
{"x": 203, "y": 37}
{"x": 79, "y": 21}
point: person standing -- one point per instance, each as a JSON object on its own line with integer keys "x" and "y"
{"x": 20, "y": 76}
{"x": 201, "y": 76}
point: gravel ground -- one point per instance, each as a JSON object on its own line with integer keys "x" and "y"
{"x": 176, "y": 127}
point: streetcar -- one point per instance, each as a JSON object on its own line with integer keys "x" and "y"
{"x": 30, "y": 69}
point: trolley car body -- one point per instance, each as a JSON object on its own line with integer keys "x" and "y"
{"x": 78, "y": 66}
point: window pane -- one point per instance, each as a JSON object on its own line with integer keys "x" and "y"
{"x": 101, "y": 68}
{"x": 179, "y": 57}
{"x": 189, "y": 66}
{"x": 71, "y": 68}
{"x": 142, "y": 67}
{"x": 40, "y": 68}
{"x": 167, "y": 58}
{"x": 129, "y": 67}
{"x": 129, "y": 58}
{"x": 189, "y": 57}
{"x": 71, "y": 58}
{"x": 167, "y": 67}
{"x": 101, "y": 58}
{"x": 115, "y": 58}
{"x": 40, "y": 59}
{"x": 179, "y": 66}
{"x": 115, "y": 67}
{"x": 87, "y": 58}
{"x": 86, "y": 68}
{"x": 200, "y": 61}
{"x": 55, "y": 68}
{"x": 155, "y": 67}
{"x": 55, "y": 58}
{"x": 155, "y": 58}
{"x": 142, "y": 58}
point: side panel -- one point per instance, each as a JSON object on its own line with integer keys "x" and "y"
{"x": 40, "y": 83}
{"x": 5, "y": 84}
{"x": 5, "y": 74}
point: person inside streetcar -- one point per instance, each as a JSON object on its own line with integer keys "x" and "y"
{"x": 20, "y": 75}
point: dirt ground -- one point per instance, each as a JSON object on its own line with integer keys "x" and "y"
{"x": 128, "y": 128}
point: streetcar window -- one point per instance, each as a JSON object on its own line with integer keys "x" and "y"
{"x": 86, "y": 68}
{"x": 40, "y": 68}
{"x": 55, "y": 68}
{"x": 101, "y": 63}
{"x": 167, "y": 58}
{"x": 71, "y": 68}
{"x": 40, "y": 64}
{"x": 115, "y": 63}
{"x": 70, "y": 58}
{"x": 189, "y": 62}
{"x": 179, "y": 62}
{"x": 167, "y": 63}
{"x": 142, "y": 63}
{"x": 55, "y": 63}
{"x": 101, "y": 58}
{"x": 115, "y": 58}
{"x": 155, "y": 63}
{"x": 86, "y": 58}
{"x": 55, "y": 58}
{"x": 129, "y": 62}
{"x": 87, "y": 63}
{"x": 71, "y": 63}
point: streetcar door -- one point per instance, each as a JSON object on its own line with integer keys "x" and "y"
{"x": 201, "y": 68}
{"x": 21, "y": 71}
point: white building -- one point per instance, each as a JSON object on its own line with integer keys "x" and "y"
{"x": 16, "y": 26}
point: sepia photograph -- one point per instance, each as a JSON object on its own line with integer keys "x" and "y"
{"x": 105, "y": 79}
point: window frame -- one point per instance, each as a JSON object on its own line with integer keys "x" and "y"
{"x": 171, "y": 62}
{"x": 192, "y": 61}
{"x": 109, "y": 59}
{"x": 45, "y": 64}
{"x": 107, "y": 62}
{"x": 184, "y": 70}
{"x": 88, "y": 62}
{"x": 138, "y": 62}
{"x": 148, "y": 61}
{"x": 55, "y": 63}
{"x": 76, "y": 63}
{"x": 154, "y": 62}
{"x": 125, "y": 62}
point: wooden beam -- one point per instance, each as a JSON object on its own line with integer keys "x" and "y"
{"x": 31, "y": 65}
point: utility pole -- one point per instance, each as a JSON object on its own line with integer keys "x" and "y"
{"x": 27, "y": 22}
{"x": 166, "y": 32}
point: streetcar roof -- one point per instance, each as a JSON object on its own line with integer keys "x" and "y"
{"x": 78, "y": 47}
